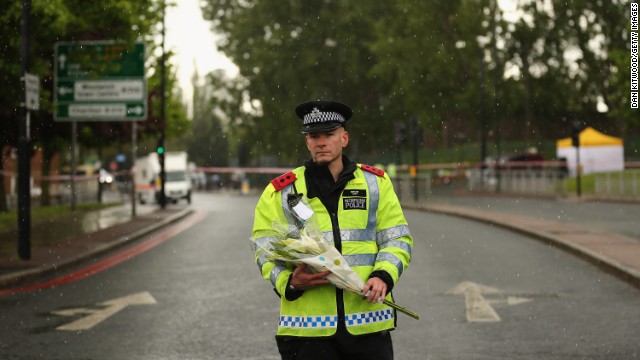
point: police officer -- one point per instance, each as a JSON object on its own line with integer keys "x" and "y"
{"x": 358, "y": 210}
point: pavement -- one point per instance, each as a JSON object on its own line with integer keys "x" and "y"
{"x": 82, "y": 239}
{"x": 612, "y": 251}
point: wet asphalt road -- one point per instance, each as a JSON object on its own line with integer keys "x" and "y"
{"x": 198, "y": 295}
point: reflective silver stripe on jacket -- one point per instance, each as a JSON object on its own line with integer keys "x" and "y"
{"x": 360, "y": 259}
{"x": 293, "y": 231}
{"x": 392, "y": 233}
{"x": 397, "y": 244}
{"x": 385, "y": 256}
{"x": 382, "y": 238}
{"x": 263, "y": 243}
{"x": 358, "y": 235}
{"x": 273, "y": 276}
{"x": 368, "y": 234}
{"x": 291, "y": 220}
{"x": 387, "y": 238}
{"x": 374, "y": 198}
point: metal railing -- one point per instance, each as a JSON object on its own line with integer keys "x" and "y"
{"x": 87, "y": 189}
{"x": 412, "y": 188}
{"x": 620, "y": 185}
{"x": 542, "y": 179}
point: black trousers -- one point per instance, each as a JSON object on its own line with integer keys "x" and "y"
{"x": 342, "y": 346}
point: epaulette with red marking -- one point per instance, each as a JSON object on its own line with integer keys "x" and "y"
{"x": 372, "y": 169}
{"x": 283, "y": 180}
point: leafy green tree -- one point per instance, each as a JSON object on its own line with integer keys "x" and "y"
{"x": 462, "y": 67}
{"x": 390, "y": 61}
{"x": 208, "y": 142}
{"x": 591, "y": 34}
{"x": 176, "y": 122}
{"x": 430, "y": 52}
{"x": 299, "y": 51}
{"x": 72, "y": 20}
{"x": 618, "y": 65}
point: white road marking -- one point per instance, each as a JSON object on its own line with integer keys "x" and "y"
{"x": 95, "y": 316}
{"x": 515, "y": 300}
{"x": 478, "y": 308}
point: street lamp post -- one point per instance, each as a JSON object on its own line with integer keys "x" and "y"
{"x": 416, "y": 134}
{"x": 575, "y": 141}
{"x": 163, "y": 120}
{"x": 24, "y": 156}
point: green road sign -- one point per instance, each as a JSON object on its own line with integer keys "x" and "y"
{"x": 99, "y": 81}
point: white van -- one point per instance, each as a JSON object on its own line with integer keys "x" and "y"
{"x": 147, "y": 178}
{"x": 178, "y": 185}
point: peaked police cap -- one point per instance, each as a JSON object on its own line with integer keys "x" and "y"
{"x": 322, "y": 115}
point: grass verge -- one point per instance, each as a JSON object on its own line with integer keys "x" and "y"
{"x": 9, "y": 220}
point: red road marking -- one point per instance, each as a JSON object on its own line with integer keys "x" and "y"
{"x": 113, "y": 260}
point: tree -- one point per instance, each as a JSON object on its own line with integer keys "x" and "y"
{"x": 572, "y": 50}
{"x": 298, "y": 51}
{"x": 430, "y": 52}
{"x": 389, "y": 61}
{"x": 176, "y": 123}
{"x": 434, "y": 60}
{"x": 70, "y": 20}
{"x": 208, "y": 144}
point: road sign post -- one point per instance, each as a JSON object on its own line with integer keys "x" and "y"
{"x": 99, "y": 81}
{"x": 32, "y": 91}
{"x": 24, "y": 142}
{"x": 576, "y": 128}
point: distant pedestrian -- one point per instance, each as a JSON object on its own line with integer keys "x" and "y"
{"x": 359, "y": 211}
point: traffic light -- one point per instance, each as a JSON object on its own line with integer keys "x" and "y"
{"x": 575, "y": 133}
{"x": 401, "y": 134}
{"x": 162, "y": 200}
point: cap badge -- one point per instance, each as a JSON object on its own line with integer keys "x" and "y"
{"x": 315, "y": 113}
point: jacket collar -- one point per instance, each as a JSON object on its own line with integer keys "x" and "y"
{"x": 320, "y": 181}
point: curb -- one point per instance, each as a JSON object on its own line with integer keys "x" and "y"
{"x": 622, "y": 271}
{"x": 20, "y": 277}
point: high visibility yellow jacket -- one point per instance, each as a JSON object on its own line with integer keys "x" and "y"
{"x": 374, "y": 236}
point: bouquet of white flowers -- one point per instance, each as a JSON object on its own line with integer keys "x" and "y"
{"x": 306, "y": 244}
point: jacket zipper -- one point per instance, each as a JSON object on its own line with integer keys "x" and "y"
{"x": 337, "y": 241}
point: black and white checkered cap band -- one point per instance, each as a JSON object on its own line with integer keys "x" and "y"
{"x": 317, "y": 116}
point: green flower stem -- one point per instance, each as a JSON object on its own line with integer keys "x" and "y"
{"x": 402, "y": 309}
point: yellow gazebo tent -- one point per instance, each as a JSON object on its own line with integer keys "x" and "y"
{"x": 591, "y": 137}
{"x": 598, "y": 152}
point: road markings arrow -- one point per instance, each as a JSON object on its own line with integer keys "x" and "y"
{"x": 478, "y": 308}
{"x": 515, "y": 300}
{"x": 509, "y": 300}
{"x": 467, "y": 286}
{"x": 95, "y": 316}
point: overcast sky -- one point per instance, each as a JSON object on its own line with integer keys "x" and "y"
{"x": 190, "y": 37}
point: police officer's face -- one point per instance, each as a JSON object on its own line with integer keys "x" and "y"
{"x": 326, "y": 146}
